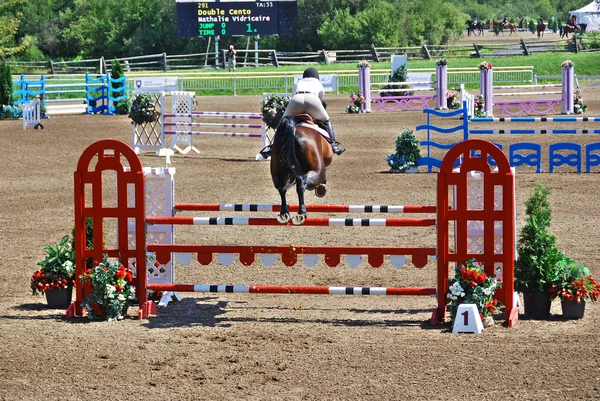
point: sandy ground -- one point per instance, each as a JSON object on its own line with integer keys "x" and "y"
{"x": 280, "y": 347}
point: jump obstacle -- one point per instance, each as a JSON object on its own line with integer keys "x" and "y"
{"x": 536, "y": 106}
{"x": 101, "y": 93}
{"x": 401, "y": 101}
{"x": 521, "y": 153}
{"x": 32, "y": 114}
{"x": 181, "y": 126}
{"x": 483, "y": 228}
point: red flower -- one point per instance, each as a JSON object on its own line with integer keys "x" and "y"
{"x": 118, "y": 288}
{"x": 119, "y": 274}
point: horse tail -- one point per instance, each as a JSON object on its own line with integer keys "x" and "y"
{"x": 285, "y": 143}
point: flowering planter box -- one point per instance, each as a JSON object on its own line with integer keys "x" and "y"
{"x": 537, "y": 305}
{"x": 59, "y": 298}
{"x": 572, "y": 309}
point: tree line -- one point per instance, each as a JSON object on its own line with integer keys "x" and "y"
{"x": 81, "y": 29}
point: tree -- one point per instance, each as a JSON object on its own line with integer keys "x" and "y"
{"x": 116, "y": 72}
{"x": 6, "y": 85}
{"x": 10, "y": 19}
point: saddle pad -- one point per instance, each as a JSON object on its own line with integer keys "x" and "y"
{"x": 315, "y": 127}
{"x": 306, "y": 120}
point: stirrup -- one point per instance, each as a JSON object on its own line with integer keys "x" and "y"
{"x": 338, "y": 148}
{"x": 266, "y": 152}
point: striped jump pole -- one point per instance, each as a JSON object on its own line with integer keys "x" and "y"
{"x": 309, "y": 222}
{"x": 217, "y": 125}
{"x": 213, "y": 114}
{"x": 534, "y": 119}
{"x": 267, "y": 207}
{"x": 290, "y": 289}
{"x": 534, "y": 131}
{"x": 236, "y": 134}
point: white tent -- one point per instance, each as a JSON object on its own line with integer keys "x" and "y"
{"x": 589, "y": 15}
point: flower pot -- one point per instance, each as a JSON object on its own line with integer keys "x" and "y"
{"x": 537, "y": 305}
{"x": 59, "y": 298}
{"x": 408, "y": 170}
{"x": 572, "y": 309}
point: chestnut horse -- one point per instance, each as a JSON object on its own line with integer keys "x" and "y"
{"x": 299, "y": 156}
{"x": 541, "y": 27}
{"x": 497, "y": 27}
{"x": 566, "y": 29}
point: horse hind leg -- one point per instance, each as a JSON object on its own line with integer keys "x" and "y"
{"x": 299, "y": 218}
{"x": 284, "y": 215}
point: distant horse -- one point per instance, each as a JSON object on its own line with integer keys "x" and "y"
{"x": 498, "y": 27}
{"x": 541, "y": 27}
{"x": 472, "y": 27}
{"x": 566, "y": 29}
{"x": 300, "y": 156}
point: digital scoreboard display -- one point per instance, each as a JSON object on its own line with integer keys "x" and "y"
{"x": 236, "y": 18}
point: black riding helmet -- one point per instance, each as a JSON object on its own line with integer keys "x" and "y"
{"x": 310, "y": 73}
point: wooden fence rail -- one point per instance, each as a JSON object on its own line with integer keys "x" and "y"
{"x": 270, "y": 57}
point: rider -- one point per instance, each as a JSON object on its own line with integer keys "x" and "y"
{"x": 504, "y": 22}
{"x": 541, "y": 21}
{"x": 574, "y": 21}
{"x": 307, "y": 97}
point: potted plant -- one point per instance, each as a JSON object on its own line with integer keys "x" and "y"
{"x": 406, "y": 158}
{"x": 272, "y": 110}
{"x": 576, "y": 285}
{"x": 56, "y": 275}
{"x": 110, "y": 287}
{"x": 356, "y": 100}
{"x": 578, "y": 104}
{"x": 537, "y": 268}
{"x": 453, "y": 99}
{"x": 142, "y": 109}
{"x": 472, "y": 286}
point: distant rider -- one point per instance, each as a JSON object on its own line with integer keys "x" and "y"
{"x": 307, "y": 98}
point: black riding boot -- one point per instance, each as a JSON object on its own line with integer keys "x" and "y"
{"x": 334, "y": 144}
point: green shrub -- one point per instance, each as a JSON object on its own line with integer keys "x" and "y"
{"x": 537, "y": 268}
{"x": 6, "y": 85}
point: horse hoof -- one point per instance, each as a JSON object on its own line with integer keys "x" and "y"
{"x": 298, "y": 219}
{"x": 320, "y": 191}
{"x": 283, "y": 218}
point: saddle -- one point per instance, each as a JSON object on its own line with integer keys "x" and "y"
{"x": 307, "y": 121}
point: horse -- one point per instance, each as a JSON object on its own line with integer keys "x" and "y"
{"x": 511, "y": 26}
{"x": 300, "y": 155}
{"x": 566, "y": 29}
{"x": 541, "y": 27}
{"x": 498, "y": 27}
{"x": 471, "y": 27}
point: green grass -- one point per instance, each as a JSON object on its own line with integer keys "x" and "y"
{"x": 544, "y": 64}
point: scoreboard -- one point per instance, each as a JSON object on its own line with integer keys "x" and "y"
{"x": 236, "y": 18}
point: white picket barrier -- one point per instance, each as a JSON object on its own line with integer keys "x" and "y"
{"x": 32, "y": 114}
